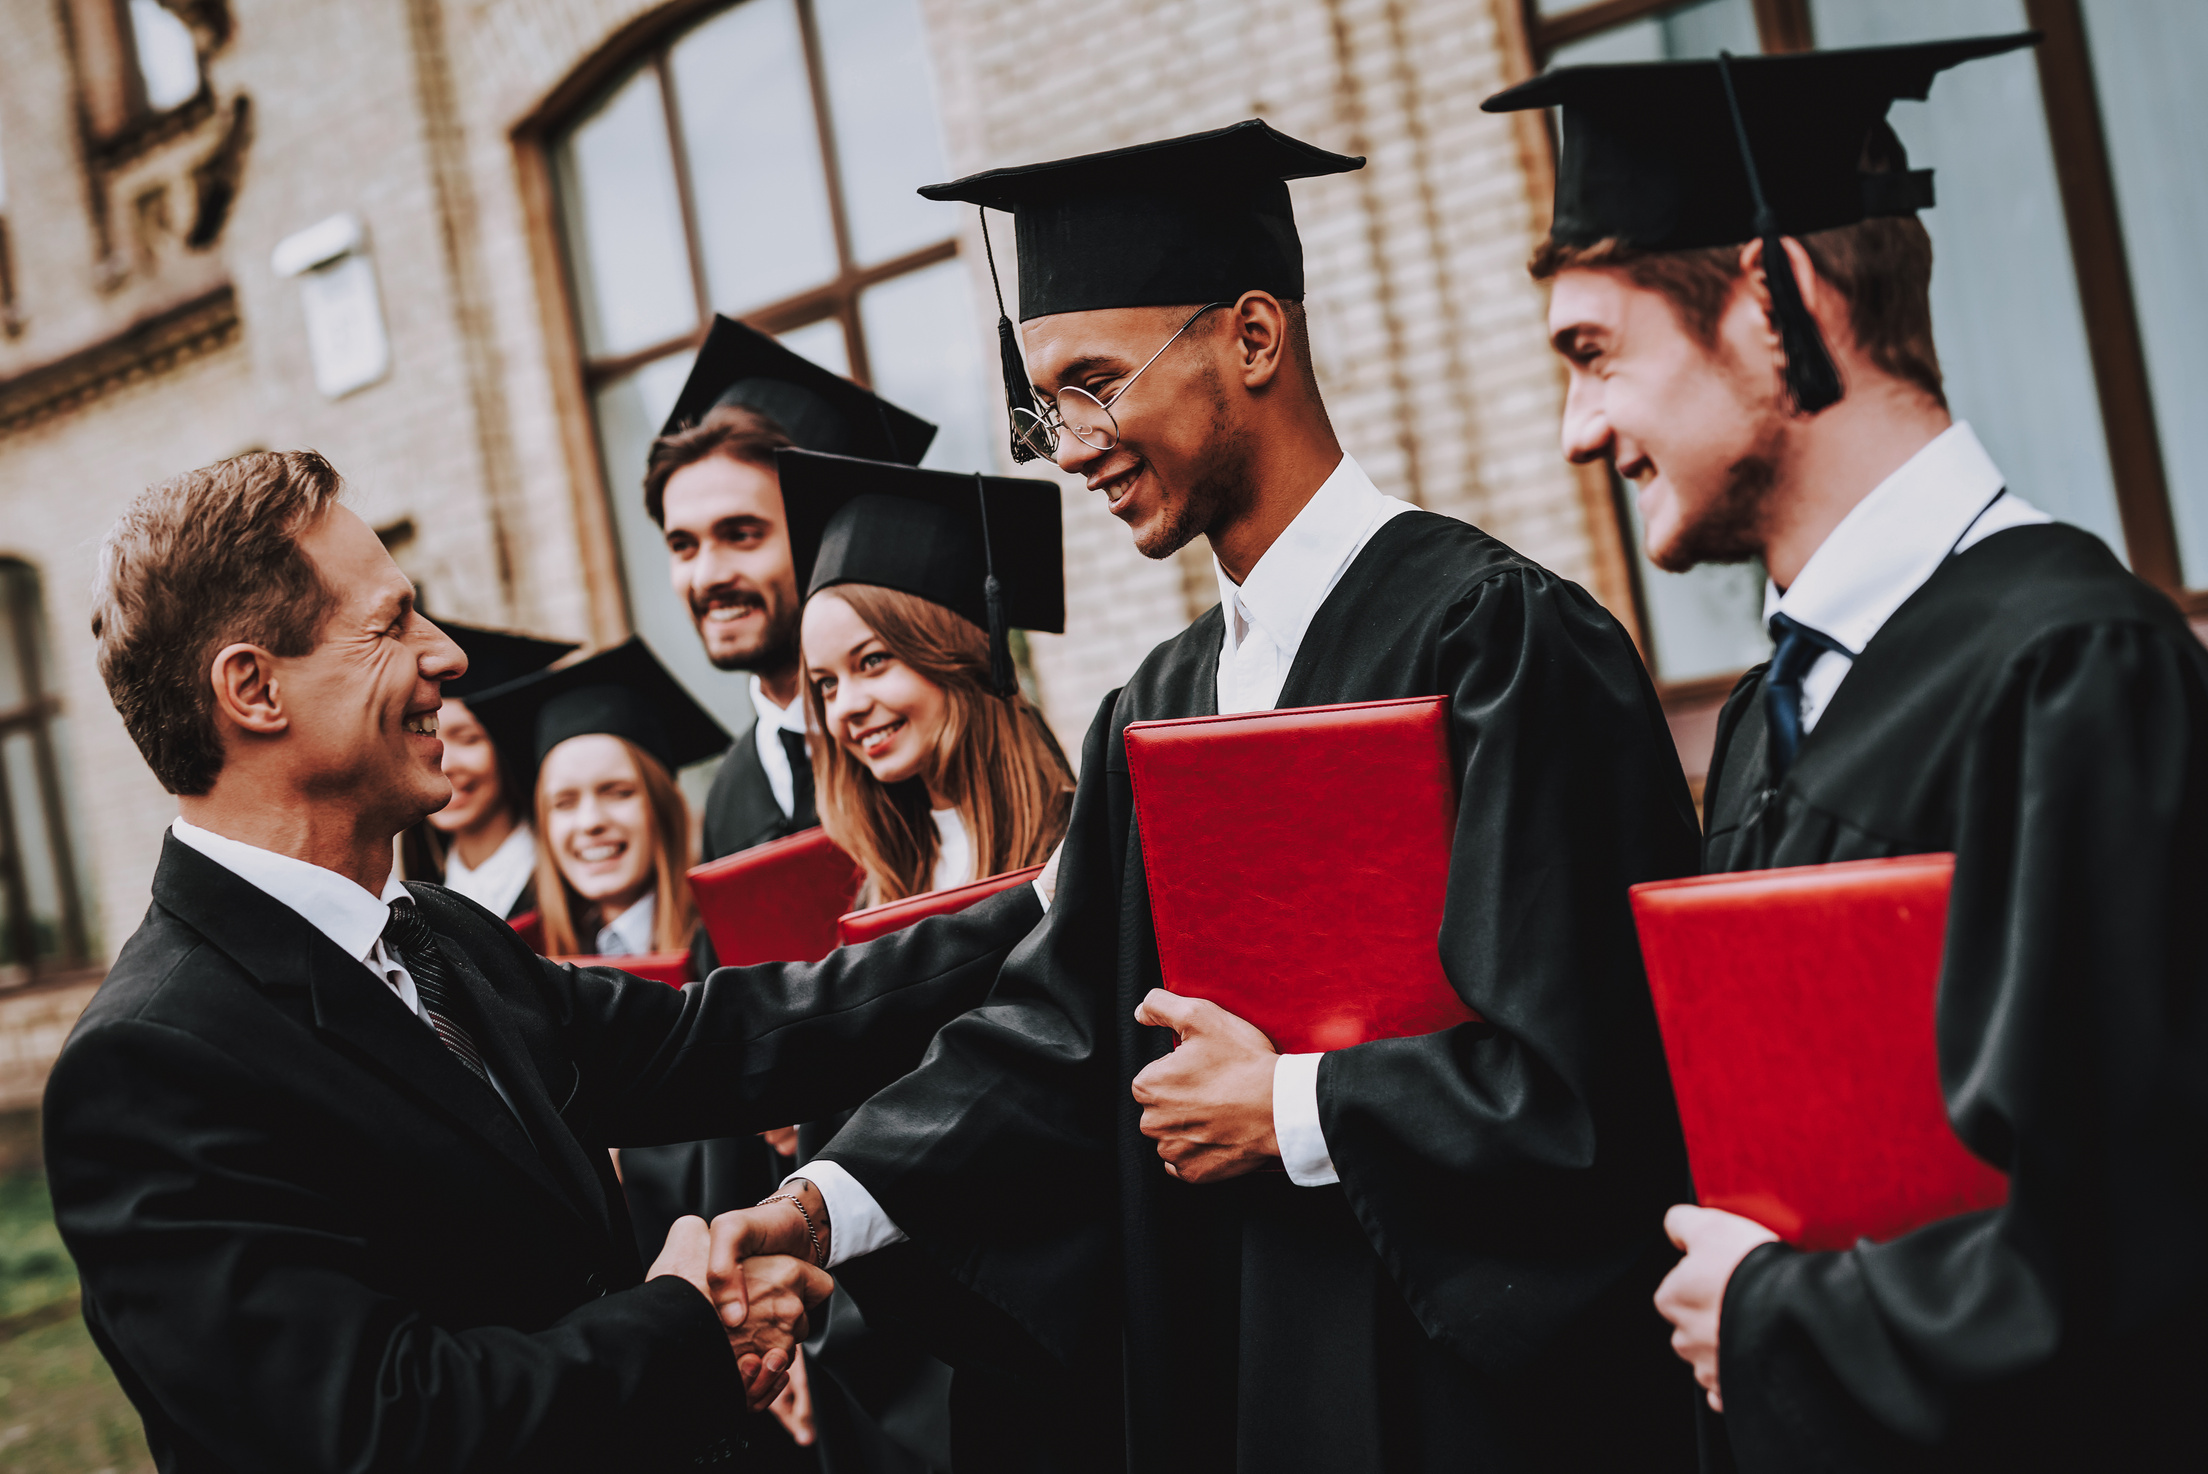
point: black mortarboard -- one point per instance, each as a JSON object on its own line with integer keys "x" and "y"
{"x": 497, "y": 656}
{"x": 1179, "y": 222}
{"x": 817, "y": 409}
{"x": 926, "y": 533}
{"x": 1670, "y": 156}
{"x": 623, "y": 691}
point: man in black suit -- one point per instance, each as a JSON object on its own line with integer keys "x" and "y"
{"x": 329, "y": 1152}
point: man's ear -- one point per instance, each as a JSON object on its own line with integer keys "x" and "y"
{"x": 1261, "y": 339}
{"x": 1826, "y": 306}
{"x": 246, "y": 695}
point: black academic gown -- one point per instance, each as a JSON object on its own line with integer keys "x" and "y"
{"x": 740, "y": 811}
{"x": 2044, "y": 715}
{"x": 1475, "y": 1293}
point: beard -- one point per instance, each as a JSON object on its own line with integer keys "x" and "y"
{"x": 775, "y": 647}
{"x": 1730, "y": 528}
{"x": 1219, "y": 486}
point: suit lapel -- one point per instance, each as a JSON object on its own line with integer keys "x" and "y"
{"x": 351, "y": 1006}
{"x": 749, "y": 814}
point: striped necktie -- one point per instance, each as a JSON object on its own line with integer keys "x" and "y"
{"x": 407, "y": 933}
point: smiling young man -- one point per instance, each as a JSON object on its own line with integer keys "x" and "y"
{"x": 329, "y": 1153}
{"x": 1953, "y": 672}
{"x": 1412, "y": 1254}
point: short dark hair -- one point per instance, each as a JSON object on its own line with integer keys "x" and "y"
{"x": 730, "y": 430}
{"x": 200, "y": 561}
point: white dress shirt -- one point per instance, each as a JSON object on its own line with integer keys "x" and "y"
{"x": 954, "y": 852}
{"x": 338, "y": 908}
{"x": 499, "y": 881}
{"x": 1266, "y": 616}
{"x": 1888, "y": 545}
{"x": 773, "y": 757}
{"x": 630, "y": 933}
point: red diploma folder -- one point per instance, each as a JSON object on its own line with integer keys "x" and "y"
{"x": 671, "y": 968}
{"x": 531, "y": 926}
{"x": 880, "y": 921}
{"x": 776, "y": 902}
{"x": 1797, "y": 1012}
{"x": 1297, "y": 863}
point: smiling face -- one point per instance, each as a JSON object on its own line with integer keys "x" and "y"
{"x": 728, "y": 550}
{"x": 876, "y": 707}
{"x": 471, "y": 765}
{"x": 361, "y": 706}
{"x": 598, "y": 820}
{"x": 1180, "y": 464}
{"x": 1699, "y": 428}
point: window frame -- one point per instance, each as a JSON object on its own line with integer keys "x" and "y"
{"x": 647, "y": 44}
{"x": 22, "y": 600}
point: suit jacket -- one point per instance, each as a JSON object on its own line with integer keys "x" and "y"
{"x": 740, "y": 810}
{"x": 311, "y": 1240}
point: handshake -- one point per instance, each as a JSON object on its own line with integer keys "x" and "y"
{"x": 758, "y": 1267}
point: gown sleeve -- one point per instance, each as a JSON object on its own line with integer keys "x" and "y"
{"x": 2073, "y": 1047}
{"x": 1510, "y": 1173}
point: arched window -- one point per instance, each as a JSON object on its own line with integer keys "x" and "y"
{"x": 761, "y": 163}
{"x": 44, "y": 925}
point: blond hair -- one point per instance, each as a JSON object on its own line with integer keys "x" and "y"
{"x": 675, "y": 910}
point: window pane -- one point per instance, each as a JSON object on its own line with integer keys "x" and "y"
{"x": 41, "y": 876}
{"x": 168, "y": 57}
{"x": 1701, "y": 29}
{"x": 630, "y": 411}
{"x": 822, "y": 342}
{"x": 923, "y": 348}
{"x": 753, "y": 145}
{"x": 624, "y": 224}
{"x": 2004, "y": 294}
{"x": 881, "y": 96}
{"x": 2148, "y": 57}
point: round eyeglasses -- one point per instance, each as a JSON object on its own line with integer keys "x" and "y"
{"x": 1087, "y": 418}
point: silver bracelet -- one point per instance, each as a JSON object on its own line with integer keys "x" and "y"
{"x": 820, "y": 1255}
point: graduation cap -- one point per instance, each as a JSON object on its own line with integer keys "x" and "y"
{"x": 1202, "y": 218}
{"x": 623, "y": 692}
{"x": 987, "y": 548}
{"x": 815, "y": 408}
{"x": 497, "y": 656}
{"x": 1672, "y": 156}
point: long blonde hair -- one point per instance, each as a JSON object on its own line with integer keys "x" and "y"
{"x": 994, "y": 759}
{"x": 674, "y": 911}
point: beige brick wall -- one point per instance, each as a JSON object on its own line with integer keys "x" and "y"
{"x": 413, "y": 115}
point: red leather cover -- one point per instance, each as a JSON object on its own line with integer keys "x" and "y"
{"x": 531, "y": 926}
{"x": 1298, "y": 861}
{"x": 776, "y": 902}
{"x": 880, "y": 921}
{"x": 1797, "y": 1012}
{"x": 671, "y": 968}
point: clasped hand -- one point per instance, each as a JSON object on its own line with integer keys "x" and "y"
{"x": 762, "y": 1298}
{"x": 1209, "y": 1104}
{"x": 1692, "y": 1296}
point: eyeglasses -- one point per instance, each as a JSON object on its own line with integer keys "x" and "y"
{"x": 1082, "y": 413}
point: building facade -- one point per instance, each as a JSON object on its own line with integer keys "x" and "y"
{"x": 464, "y": 248}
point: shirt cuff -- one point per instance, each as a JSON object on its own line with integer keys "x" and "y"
{"x": 857, "y": 1226}
{"x": 1041, "y": 895}
{"x": 1296, "y": 1121}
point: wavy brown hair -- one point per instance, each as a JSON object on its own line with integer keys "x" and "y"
{"x": 675, "y": 910}
{"x": 995, "y": 759}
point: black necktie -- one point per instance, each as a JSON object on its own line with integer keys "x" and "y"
{"x": 408, "y": 934}
{"x": 801, "y": 775}
{"x": 1799, "y": 647}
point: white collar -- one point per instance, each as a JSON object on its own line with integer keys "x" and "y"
{"x": 630, "y": 933}
{"x": 1292, "y": 578}
{"x": 789, "y": 718}
{"x": 338, "y": 908}
{"x": 501, "y": 876}
{"x": 1895, "y": 538}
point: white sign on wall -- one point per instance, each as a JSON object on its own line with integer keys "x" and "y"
{"x": 337, "y": 289}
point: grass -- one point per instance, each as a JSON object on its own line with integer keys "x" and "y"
{"x": 61, "y": 1411}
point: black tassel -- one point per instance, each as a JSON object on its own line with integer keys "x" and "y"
{"x": 1019, "y": 393}
{"x": 1003, "y": 679}
{"x": 1811, "y": 379}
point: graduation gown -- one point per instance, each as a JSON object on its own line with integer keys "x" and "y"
{"x": 1475, "y": 1292}
{"x": 740, "y": 811}
{"x": 2044, "y": 715}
